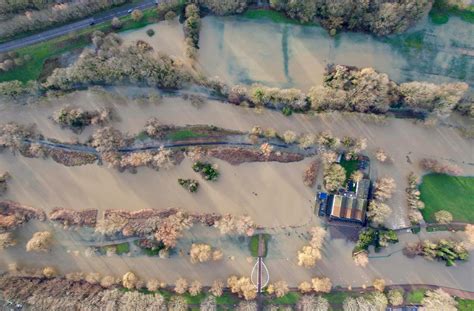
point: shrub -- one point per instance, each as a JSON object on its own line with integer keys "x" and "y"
{"x": 41, "y": 241}
{"x": 170, "y": 15}
{"x": 443, "y": 217}
{"x": 334, "y": 176}
{"x": 137, "y": 15}
{"x": 129, "y": 280}
{"x": 287, "y": 111}
{"x": 395, "y": 297}
{"x": 206, "y": 170}
{"x": 191, "y": 185}
{"x": 150, "y": 32}
{"x": 116, "y": 23}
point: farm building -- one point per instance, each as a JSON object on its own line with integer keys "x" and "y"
{"x": 350, "y": 205}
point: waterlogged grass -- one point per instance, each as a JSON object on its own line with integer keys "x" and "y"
{"x": 441, "y": 12}
{"x": 253, "y": 244}
{"x": 183, "y": 135}
{"x": 415, "y": 297}
{"x": 123, "y": 248}
{"x": 274, "y": 16}
{"x": 40, "y": 52}
{"x": 451, "y": 193}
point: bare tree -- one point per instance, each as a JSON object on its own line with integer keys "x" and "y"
{"x": 41, "y": 241}
{"x": 6, "y": 240}
{"x": 384, "y": 188}
{"x": 379, "y": 284}
{"x": 378, "y": 212}
{"x": 443, "y": 217}
{"x": 181, "y": 286}
{"x": 438, "y": 300}
{"x": 217, "y": 288}
{"x": 322, "y": 285}
{"x": 129, "y": 280}
{"x": 334, "y": 176}
{"x": 395, "y": 297}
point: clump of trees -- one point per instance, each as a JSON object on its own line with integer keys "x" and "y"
{"x": 242, "y": 286}
{"x": 373, "y": 301}
{"x": 112, "y": 63}
{"x": 46, "y": 14}
{"x": 381, "y": 18}
{"x": 309, "y": 254}
{"x": 446, "y": 250}
{"x": 279, "y": 288}
{"x": 413, "y": 198}
{"x": 40, "y": 242}
{"x": 439, "y": 300}
{"x": 242, "y": 225}
{"x": 12, "y": 135}
{"x": 435, "y": 166}
{"x": 443, "y": 217}
{"x": 225, "y": 7}
{"x": 208, "y": 171}
{"x": 384, "y": 188}
{"x": 192, "y": 26}
{"x": 439, "y": 99}
{"x": 334, "y": 176}
{"x": 201, "y": 252}
{"x": 6, "y": 240}
{"x": 191, "y": 185}
{"x": 76, "y": 118}
{"x": 377, "y": 237}
{"x": 395, "y": 297}
{"x": 378, "y": 212}
{"x": 10, "y": 60}
{"x": 312, "y": 303}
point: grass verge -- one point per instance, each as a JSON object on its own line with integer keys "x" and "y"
{"x": 42, "y": 51}
{"x": 289, "y": 299}
{"x": 450, "y": 193}
{"x": 183, "y": 135}
{"x": 415, "y": 296}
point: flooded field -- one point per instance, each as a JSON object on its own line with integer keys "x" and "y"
{"x": 240, "y": 50}
{"x": 405, "y": 141}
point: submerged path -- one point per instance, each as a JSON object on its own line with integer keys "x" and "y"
{"x": 230, "y": 140}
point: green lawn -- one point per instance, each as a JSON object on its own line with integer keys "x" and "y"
{"x": 451, "y": 193}
{"x": 274, "y": 16}
{"x": 40, "y": 52}
{"x": 289, "y": 299}
{"x": 441, "y": 12}
{"x": 465, "y": 305}
{"x": 227, "y": 299}
{"x": 253, "y": 244}
{"x": 415, "y": 297}
{"x": 350, "y": 166}
{"x": 123, "y": 248}
{"x": 183, "y": 135}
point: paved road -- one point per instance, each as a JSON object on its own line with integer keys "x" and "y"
{"x": 63, "y": 30}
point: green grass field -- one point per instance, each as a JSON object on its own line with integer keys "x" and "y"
{"x": 415, "y": 297}
{"x": 465, "y": 305}
{"x": 451, "y": 193}
{"x": 42, "y": 51}
{"x": 183, "y": 135}
{"x": 253, "y": 244}
{"x": 289, "y": 299}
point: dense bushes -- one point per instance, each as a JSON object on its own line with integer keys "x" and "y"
{"x": 10, "y": 60}
{"x": 446, "y": 250}
{"x": 377, "y": 237}
{"x": 207, "y": 170}
{"x": 112, "y": 63}
{"x": 76, "y": 119}
{"x": 191, "y": 185}
{"x": 379, "y": 17}
{"x": 48, "y": 16}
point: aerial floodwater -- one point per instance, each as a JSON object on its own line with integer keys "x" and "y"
{"x": 237, "y": 155}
